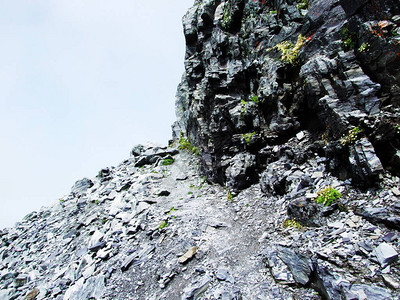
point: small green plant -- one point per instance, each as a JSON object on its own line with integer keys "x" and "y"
{"x": 364, "y": 47}
{"x": 273, "y": 12}
{"x": 163, "y": 225}
{"x": 292, "y": 223}
{"x": 96, "y": 202}
{"x": 302, "y": 4}
{"x": 184, "y": 144}
{"x": 227, "y": 15}
{"x": 229, "y": 196}
{"x": 327, "y": 196}
{"x": 254, "y": 99}
{"x": 104, "y": 220}
{"x": 101, "y": 173}
{"x": 172, "y": 209}
{"x": 168, "y": 161}
{"x": 289, "y": 51}
{"x": 352, "y": 136}
{"x": 325, "y": 137}
{"x": 243, "y": 108}
{"x": 247, "y": 137}
{"x": 349, "y": 39}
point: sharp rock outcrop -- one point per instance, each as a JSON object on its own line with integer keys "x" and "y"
{"x": 260, "y": 72}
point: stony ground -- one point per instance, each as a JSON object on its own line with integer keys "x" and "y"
{"x": 144, "y": 230}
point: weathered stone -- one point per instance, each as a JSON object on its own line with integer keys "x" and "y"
{"x": 194, "y": 292}
{"x": 32, "y": 294}
{"x": 306, "y": 212}
{"x": 387, "y": 216}
{"x": 97, "y": 247}
{"x": 240, "y": 171}
{"x": 390, "y": 282}
{"x": 188, "y": 255}
{"x": 81, "y": 186}
{"x": 364, "y": 162}
{"x": 299, "y": 265}
{"x": 351, "y": 7}
{"x": 89, "y": 289}
{"x": 219, "y": 120}
{"x": 128, "y": 262}
{"x": 386, "y": 254}
{"x": 257, "y": 110}
{"x": 221, "y": 274}
{"x": 363, "y": 291}
{"x": 21, "y": 280}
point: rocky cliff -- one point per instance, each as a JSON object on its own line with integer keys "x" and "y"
{"x": 281, "y": 181}
{"x": 259, "y": 73}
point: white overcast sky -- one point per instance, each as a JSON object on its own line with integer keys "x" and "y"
{"x": 81, "y": 82}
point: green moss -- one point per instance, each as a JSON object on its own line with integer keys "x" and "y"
{"x": 168, "y": 161}
{"x": 327, "y": 196}
{"x": 349, "y": 39}
{"x": 172, "y": 209}
{"x": 247, "y": 137}
{"x": 254, "y": 99}
{"x": 364, "y": 47}
{"x": 243, "y": 108}
{"x": 292, "y": 223}
{"x": 184, "y": 144}
{"x": 325, "y": 137}
{"x": 302, "y": 4}
{"x": 229, "y": 196}
{"x": 352, "y": 136}
{"x": 227, "y": 15}
{"x": 289, "y": 51}
{"x": 163, "y": 225}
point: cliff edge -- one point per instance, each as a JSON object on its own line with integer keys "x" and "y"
{"x": 259, "y": 73}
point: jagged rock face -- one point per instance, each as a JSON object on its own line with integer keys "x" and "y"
{"x": 246, "y": 89}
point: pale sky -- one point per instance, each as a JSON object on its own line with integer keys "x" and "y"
{"x": 81, "y": 82}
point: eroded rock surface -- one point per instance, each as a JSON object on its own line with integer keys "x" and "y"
{"x": 258, "y": 73}
{"x": 292, "y": 107}
{"x": 165, "y": 236}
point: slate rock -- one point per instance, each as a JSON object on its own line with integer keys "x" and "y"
{"x": 194, "y": 291}
{"x": 32, "y": 294}
{"x": 96, "y": 247}
{"x": 300, "y": 266}
{"x": 81, "y": 186}
{"x": 92, "y": 288}
{"x": 352, "y": 6}
{"x": 21, "y": 280}
{"x": 386, "y": 254}
{"x": 128, "y": 262}
{"x": 306, "y": 212}
{"x": 364, "y": 162}
{"x": 377, "y": 215}
{"x": 363, "y": 291}
{"x": 221, "y": 274}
